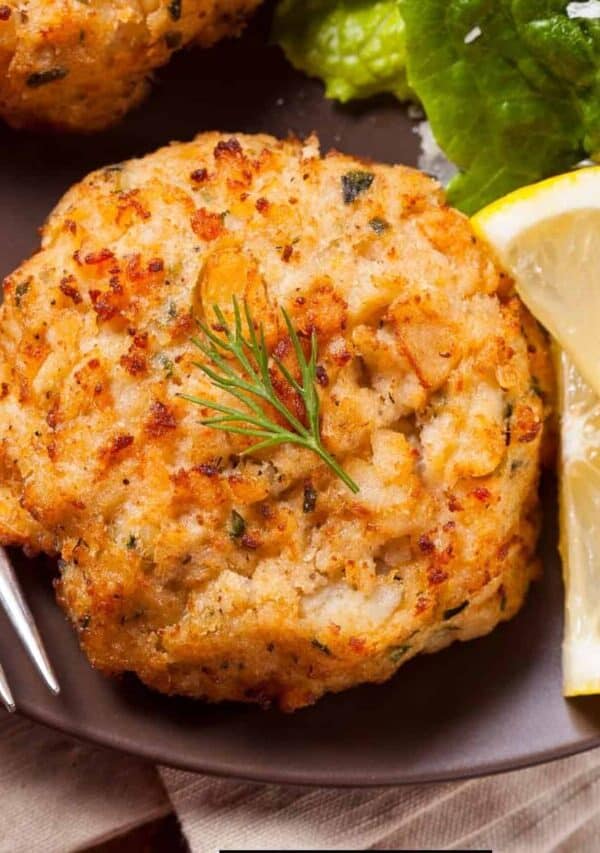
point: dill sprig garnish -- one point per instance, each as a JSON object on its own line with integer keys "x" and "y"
{"x": 251, "y": 383}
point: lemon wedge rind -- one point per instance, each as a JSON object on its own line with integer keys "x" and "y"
{"x": 503, "y": 220}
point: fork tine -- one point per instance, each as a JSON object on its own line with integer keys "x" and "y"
{"x": 19, "y": 614}
{"x": 5, "y": 693}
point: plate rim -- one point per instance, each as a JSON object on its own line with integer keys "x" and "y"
{"x": 132, "y": 137}
{"x": 303, "y": 778}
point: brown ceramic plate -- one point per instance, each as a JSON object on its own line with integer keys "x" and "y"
{"x": 486, "y": 706}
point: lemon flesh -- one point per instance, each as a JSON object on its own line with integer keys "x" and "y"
{"x": 548, "y": 237}
{"x": 580, "y": 529}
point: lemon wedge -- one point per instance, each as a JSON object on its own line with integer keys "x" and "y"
{"x": 548, "y": 237}
{"x": 580, "y": 529}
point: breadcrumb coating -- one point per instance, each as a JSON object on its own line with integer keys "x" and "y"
{"x": 263, "y": 578}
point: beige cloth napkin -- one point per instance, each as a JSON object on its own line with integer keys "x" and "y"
{"x": 555, "y": 807}
{"x": 58, "y": 796}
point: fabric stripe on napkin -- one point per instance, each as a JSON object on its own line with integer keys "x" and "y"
{"x": 554, "y": 807}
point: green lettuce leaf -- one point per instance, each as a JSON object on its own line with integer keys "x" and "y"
{"x": 511, "y": 88}
{"x": 356, "y": 46}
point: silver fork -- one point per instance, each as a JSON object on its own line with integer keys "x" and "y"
{"x": 15, "y": 607}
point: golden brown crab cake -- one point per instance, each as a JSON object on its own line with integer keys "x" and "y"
{"x": 78, "y": 65}
{"x": 263, "y": 577}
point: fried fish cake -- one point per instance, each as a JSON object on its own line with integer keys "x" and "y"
{"x": 81, "y": 65}
{"x": 262, "y": 577}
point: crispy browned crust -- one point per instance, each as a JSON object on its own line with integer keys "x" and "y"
{"x": 73, "y": 65}
{"x": 427, "y": 398}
